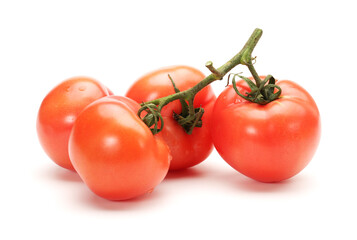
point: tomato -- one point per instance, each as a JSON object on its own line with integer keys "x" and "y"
{"x": 186, "y": 150}
{"x": 58, "y": 112}
{"x": 271, "y": 142}
{"x": 114, "y": 152}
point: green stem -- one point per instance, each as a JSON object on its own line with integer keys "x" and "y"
{"x": 254, "y": 73}
{"x": 217, "y": 74}
{"x": 243, "y": 57}
{"x": 191, "y": 108}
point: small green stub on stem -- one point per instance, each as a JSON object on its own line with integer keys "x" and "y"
{"x": 214, "y": 71}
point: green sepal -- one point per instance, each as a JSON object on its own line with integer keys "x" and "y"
{"x": 184, "y": 105}
{"x": 263, "y": 94}
{"x": 185, "y": 119}
{"x": 152, "y": 118}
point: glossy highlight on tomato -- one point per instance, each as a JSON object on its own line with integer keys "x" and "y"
{"x": 58, "y": 111}
{"x": 271, "y": 142}
{"x": 186, "y": 150}
{"x": 114, "y": 152}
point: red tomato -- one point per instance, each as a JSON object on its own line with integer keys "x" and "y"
{"x": 271, "y": 142}
{"x": 186, "y": 150}
{"x": 114, "y": 152}
{"x": 58, "y": 112}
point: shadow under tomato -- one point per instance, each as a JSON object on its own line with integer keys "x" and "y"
{"x": 300, "y": 182}
{"x": 145, "y": 201}
{"x": 187, "y": 173}
{"x": 75, "y": 190}
{"x": 148, "y": 200}
{"x": 61, "y": 174}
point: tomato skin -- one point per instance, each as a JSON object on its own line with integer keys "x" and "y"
{"x": 186, "y": 150}
{"x": 271, "y": 142}
{"x": 58, "y": 112}
{"x": 114, "y": 152}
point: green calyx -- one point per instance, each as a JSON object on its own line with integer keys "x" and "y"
{"x": 190, "y": 117}
{"x": 152, "y": 117}
{"x": 262, "y": 91}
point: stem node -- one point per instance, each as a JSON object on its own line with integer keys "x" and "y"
{"x": 214, "y": 71}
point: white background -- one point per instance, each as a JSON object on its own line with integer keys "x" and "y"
{"x": 310, "y": 42}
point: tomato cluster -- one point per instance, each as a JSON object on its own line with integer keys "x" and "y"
{"x": 83, "y": 127}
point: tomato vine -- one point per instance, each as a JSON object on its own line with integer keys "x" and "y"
{"x": 262, "y": 91}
